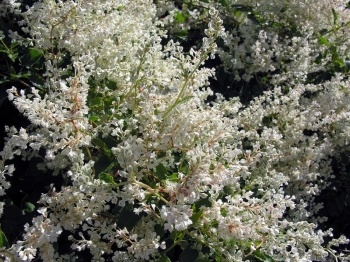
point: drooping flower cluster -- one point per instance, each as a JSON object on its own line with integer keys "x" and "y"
{"x": 151, "y": 164}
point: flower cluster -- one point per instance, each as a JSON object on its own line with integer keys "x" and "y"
{"x": 150, "y": 163}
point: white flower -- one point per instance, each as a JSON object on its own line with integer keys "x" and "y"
{"x": 177, "y": 217}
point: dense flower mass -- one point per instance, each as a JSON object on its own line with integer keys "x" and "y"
{"x": 151, "y": 161}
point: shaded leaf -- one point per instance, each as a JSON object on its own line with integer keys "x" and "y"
{"x": 3, "y": 240}
{"x": 161, "y": 172}
{"x": 128, "y": 219}
{"x": 102, "y": 146}
{"x": 335, "y": 16}
{"x": 196, "y": 216}
{"x": 28, "y": 208}
{"x": 163, "y": 258}
{"x": 189, "y": 255}
{"x": 103, "y": 164}
{"x": 262, "y": 257}
{"x": 107, "y": 178}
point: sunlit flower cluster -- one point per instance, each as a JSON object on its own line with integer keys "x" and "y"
{"x": 236, "y": 181}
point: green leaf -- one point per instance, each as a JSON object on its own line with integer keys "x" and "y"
{"x": 224, "y": 3}
{"x": 173, "y": 177}
{"x": 33, "y": 53}
{"x": 31, "y": 57}
{"x": 161, "y": 172}
{"x": 189, "y": 255}
{"x": 182, "y": 34}
{"x": 347, "y": 64}
{"x": 179, "y": 17}
{"x": 37, "y": 79}
{"x": 323, "y": 41}
{"x": 111, "y": 85}
{"x": 245, "y": 8}
{"x": 203, "y": 260}
{"x": 3, "y": 240}
{"x": 107, "y": 178}
{"x": 28, "y": 208}
{"x": 12, "y": 71}
{"x": 103, "y": 164}
{"x": 262, "y": 257}
{"x": 323, "y": 31}
{"x": 203, "y": 202}
{"x": 159, "y": 230}
{"x": 93, "y": 118}
{"x": 128, "y": 218}
{"x": 223, "y": 212}
{"x": 102, "y": 146}
{"x": 12, "y": 56}
{"x": 163, "y": 258}
{"x": 196, "y": 216}
{"x": 96, "y": 102}
{"x": 240, "y": 16}
{"x": 335, "y": 16}
{"x": 184, "y": 167}
{"x": 184, "y": 100}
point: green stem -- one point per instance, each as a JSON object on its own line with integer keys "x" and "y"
{"x": 188, "y": 77}
{"x": 151, "y": 190}
{"x": 175, "y": 243}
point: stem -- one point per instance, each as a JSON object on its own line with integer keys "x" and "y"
{"x": 175, "y": 243}
{"x": 7, "y": 49}
{"x": 151, "y": 190}
{"x": 58, "y": 23}
{"x": 188, "y": 77}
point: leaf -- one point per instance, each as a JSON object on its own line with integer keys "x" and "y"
{"x": 37, "y": 79}
{"x": 34, "y": 54}
{"x": 128, "y": 219}
{"x": 224, "y": 3}
{"x": 12, "y": 56}
{"x": 223, "y": 212}
{"x": 159, "y": 230}
{"x": 161, "y": 172}
{"x": 107, "y": 178}
{"x": 323, "y": 31}
{"x": 323, "y": 41}
{"x": 240, "y": 16}
{"x": 335, "y": 16}
{"x": 12, "y": 71}
{"x": 93, "y": 118}
{"x": 347, "y": 64}
{"x": 31, "y": 57}
{"x": 111, "y": 85}
{"x": 203, "y": 202}
{"x": 196, "y": 216}
{"x": 179, "y": 17}
{"x": 262, "y": 257}
{"x": 28, "y": 208}
{"x": 182, "y": 34}
{"x": 103, "y": 164}
{"x": 173, "y": 177}
{"x": 203, "y": 260}
{"x": 96, "y": 102}
{"x": 245, "y": 8}
{"x": 102, "y": 146}
{"x": 189, "y": 255}
{"x": 3, "y": 240}
{"x": 184, "y": 167}
{"x": 163, "y": 258}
